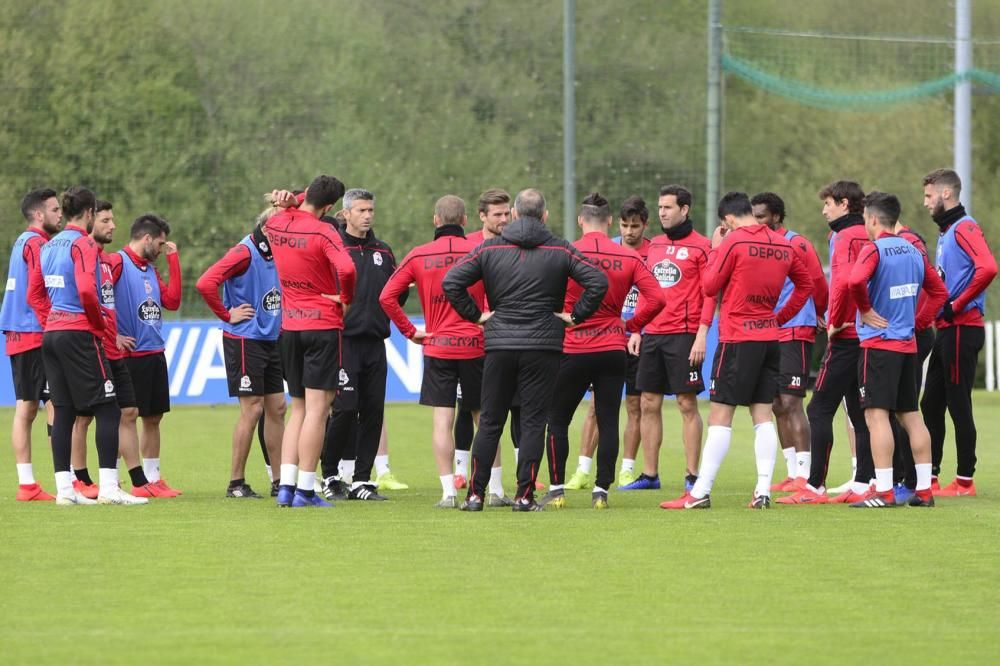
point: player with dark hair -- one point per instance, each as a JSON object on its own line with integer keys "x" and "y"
{"x": 885, "y": 283}
{"x": 594, "y": 351}
{"x": 140, "y": 298}
{"x": 747, "y": 268}
{"x": 22, "y": 319}
{"x": 967, "y": 265}
{"x": 673, "y": 344}
{"x": 795, "y": 341}
{"x": 452, "y": 346}
{"x": 250, "y": 309}
{"x": 317, "y": 280}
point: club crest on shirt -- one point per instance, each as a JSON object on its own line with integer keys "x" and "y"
{"x": 682, "y": 253}
{"x": 149, "y": 312}
{"x": 667, "y": 273}
{"x": 377, "y": 258}
{"x": 272, "y": 302}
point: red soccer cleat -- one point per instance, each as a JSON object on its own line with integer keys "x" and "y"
{"x": 163, "y": 486}
{"x": 935, "y": 485}
{"x": 874, "y": 499}
{"x": 32, "y": 492}
{"x": 957, "y": 488}
{"x": 784, "y": 486}
{"x": 850, "y": 497}
{"x": 804, "y": 496}
{"x": 88, "y": 490}
{"x": 461, "y": 482}
{"x": 688, "y": 501}
{"x": 153, "y": 490}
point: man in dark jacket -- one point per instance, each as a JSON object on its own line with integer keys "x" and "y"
{"x": 524, "y": 271}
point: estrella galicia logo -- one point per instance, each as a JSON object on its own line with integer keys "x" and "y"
{"x": 667, "y": 273}
{"x": 107, "y": 294}
{"x": 272, "y": 302}
{"x": 149, "y": 312}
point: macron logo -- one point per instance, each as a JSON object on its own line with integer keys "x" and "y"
{"x": 904, "y": 291}
{"x": 55, "y": 281}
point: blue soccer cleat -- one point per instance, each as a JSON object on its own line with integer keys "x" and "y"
{"x": 903, "y": 494}
{"x": 285, "y": 494}
{"x": 644, "y": 482}
{"x": 302, "y": 500}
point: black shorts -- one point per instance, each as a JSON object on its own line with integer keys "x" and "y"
{"x": 28, "y": 371}
{"x": 123, "y": 384}
{"x": 745, "y": 373}
{"x": 445, "y": 377}
{"x": 253, "y": 367}
{"x": 631, "y": 371}
{"x": 363, "y": 373}
{"x": 152, "y": 387}
{"x": 78, "y": 372}
{"x": 793, "y": 374}
{"x": 664, "y": 367}
{"x": 310, "y": 359}
{"x": 888, "y": 380}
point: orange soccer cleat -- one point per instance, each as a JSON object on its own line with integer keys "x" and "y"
{"x": 804, "y": 496}
{"x": 785, "y": 486}
{"x": 461, "y": 482}
{"x": 163, "y": 486}
{"x": 850, "y": 497}
{"x": 957, "y": 488}
{"x": 688, "y": 501}
{"x": 88, "y": 490}
{"x": 32, "y": 492}
{"x": 153, "y": 490}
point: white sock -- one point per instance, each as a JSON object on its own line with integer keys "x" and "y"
{"x": 883, "y": 480}
{"x": 108, "y": 480}
{"x": 64, "y": 484}
{"x": 923, "y": 476}
{"x": 307, "y": 480}
{"x": 462, "y": 462}
{"x": 765, "y": 448}
{"x": 716, "y": 448}
{"x": 496, "y": 481}
{"x": 289, "y": 474}
{"x": 859, "y": 488}
{"x": 598, "y": 489}
{"x": 151, "y": 468}
{"x": 854, "y": 467}
{"x": 447, "y": 485}
{"x": 346, "y": 469}
{"x": 803, "y": 463}
{"x": 25, "y": 474}
{"x": 585, "y": 463}
{"x": 515, "y": 458}
{"x": 789, "y": 454}
{"x": 269, "y": 477}
{"x": 554, "y": 487}
{"x": 381, "y": 465}
{"x": 628, "y": 464}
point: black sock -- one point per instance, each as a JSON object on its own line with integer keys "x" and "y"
{"x": 138, "y": 477}
{"x": 691, "y": 478}
{"x": 83, "y": 475}
{"x": 236, "y": 483}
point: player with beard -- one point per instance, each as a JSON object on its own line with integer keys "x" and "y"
{"x": 22, "y": 319}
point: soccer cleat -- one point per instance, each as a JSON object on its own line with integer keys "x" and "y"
{"x": 850, "y": 497}
{"x": 285, "y": 495}
{"x": 875, "y": 500}
{"x": 554, "y": 498}
{"x": 579, "y": 481}
{"x": 163, "y": 486}
{"x": 643, "y": 482}
{"x": 599, "y": 500}
{"x": 274, "y": 489}
{"x": 903, "y": 494}
{"x": 32, "y": 492}
{"x": 786, "y": 486}
{"x": 449, "y": 502}
{"x": 153, "y": 490}
{"x": 88, "y": 490}
{"x": 841, "y": 489}
{"x": 804, "y": 496}
{"x": 935, "y": 484}
{"x": 625, "y": 477}
{"x": 365, "y": 493}
{"x": 472, "y": 503}
{"x": 493, "y": 500}
{"x": 461, "y": 482}
{"x": 301, "y": 500}
{"x": 527, "y": 504}
{"x": 921, "y": 498}
{"x": 389, "y": 482}
{"x": 120, "y": 497}
{"x": 760, "y": 502}
{"x": 75, "y": 499}
{"x": 244, "y": 491}
{"x": 957, "y": 489}
{"x": 688, "y": 501}
{"x": 334, "y": 489}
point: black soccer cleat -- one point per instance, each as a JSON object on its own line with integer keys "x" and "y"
{"x": 472, "y": 503}
{"x": 335, "y": 489}
{"x": 274, "y": 488}
{"x": 525, "y": 504}
{"x": 917, "y": 500}
{"x": 365, "y": 493}
{"x": 760, "y": 502}
{"x": 243, "y": 490}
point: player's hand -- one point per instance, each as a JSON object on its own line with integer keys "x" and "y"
{"x": 718, "y": 235}
{"x": 282, "y": 198}
{"x": 833, "y": 330}
{"x": 169, "y": 248}
{"x": 948, "y": 312}
{"x": 484, "y": 317}
{"x": 566, "y": 317}
{"x": 333, "y": 297}
{"x": 820, "y": 323}
{"x": 697, "y": 355}
{"x": 419, "y": 337}
{"x": 125, "y": 343}
{"x": 634, "y": 341}
{"x": 874, "y": 319}
{"x": 241, "y": 313}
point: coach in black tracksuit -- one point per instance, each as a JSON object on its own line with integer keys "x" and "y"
{"x": 524, "y": 272}
{"x": 355, "y": 426}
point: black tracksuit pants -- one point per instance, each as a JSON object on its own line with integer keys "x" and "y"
{"x": 605, "y": 371}
{"x": 355, "y": 426}
{"x": 950, "y": 376}
{"x": 904, "y": 470}
{"x": 837, "y": 382}
{"x": 532, "y": 373}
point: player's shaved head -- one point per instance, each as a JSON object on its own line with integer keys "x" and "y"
{"x": 450, "y": 209}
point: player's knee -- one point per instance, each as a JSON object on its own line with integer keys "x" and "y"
{"x": 687, "y": 403}
{"x": 130, "y": 414}
{"x": 650, "y": 403}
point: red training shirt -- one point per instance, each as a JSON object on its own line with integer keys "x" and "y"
{"x": 678, "y": 266}
{"x": 84, "y": 253}
{"x": 233, "y": 263}
{"x": 847, "y": 247}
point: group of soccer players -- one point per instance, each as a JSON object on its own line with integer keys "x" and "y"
{"x": 307, "y": 297}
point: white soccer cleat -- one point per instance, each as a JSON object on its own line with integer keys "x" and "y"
{"x": 119, "y": 496}
{"x": 75, "y": 498}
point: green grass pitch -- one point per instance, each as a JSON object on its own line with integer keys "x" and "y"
{"x": 202, "y": 579}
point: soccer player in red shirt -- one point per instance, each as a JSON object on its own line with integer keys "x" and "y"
{"x": 594, "y": 351}
{"x": 673, "y": 344}
{"x": 317, "y": 281}
{"x": 453, "y": 346}
{"x": 748, "y": 266}
{"x": 22, "y": 318}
